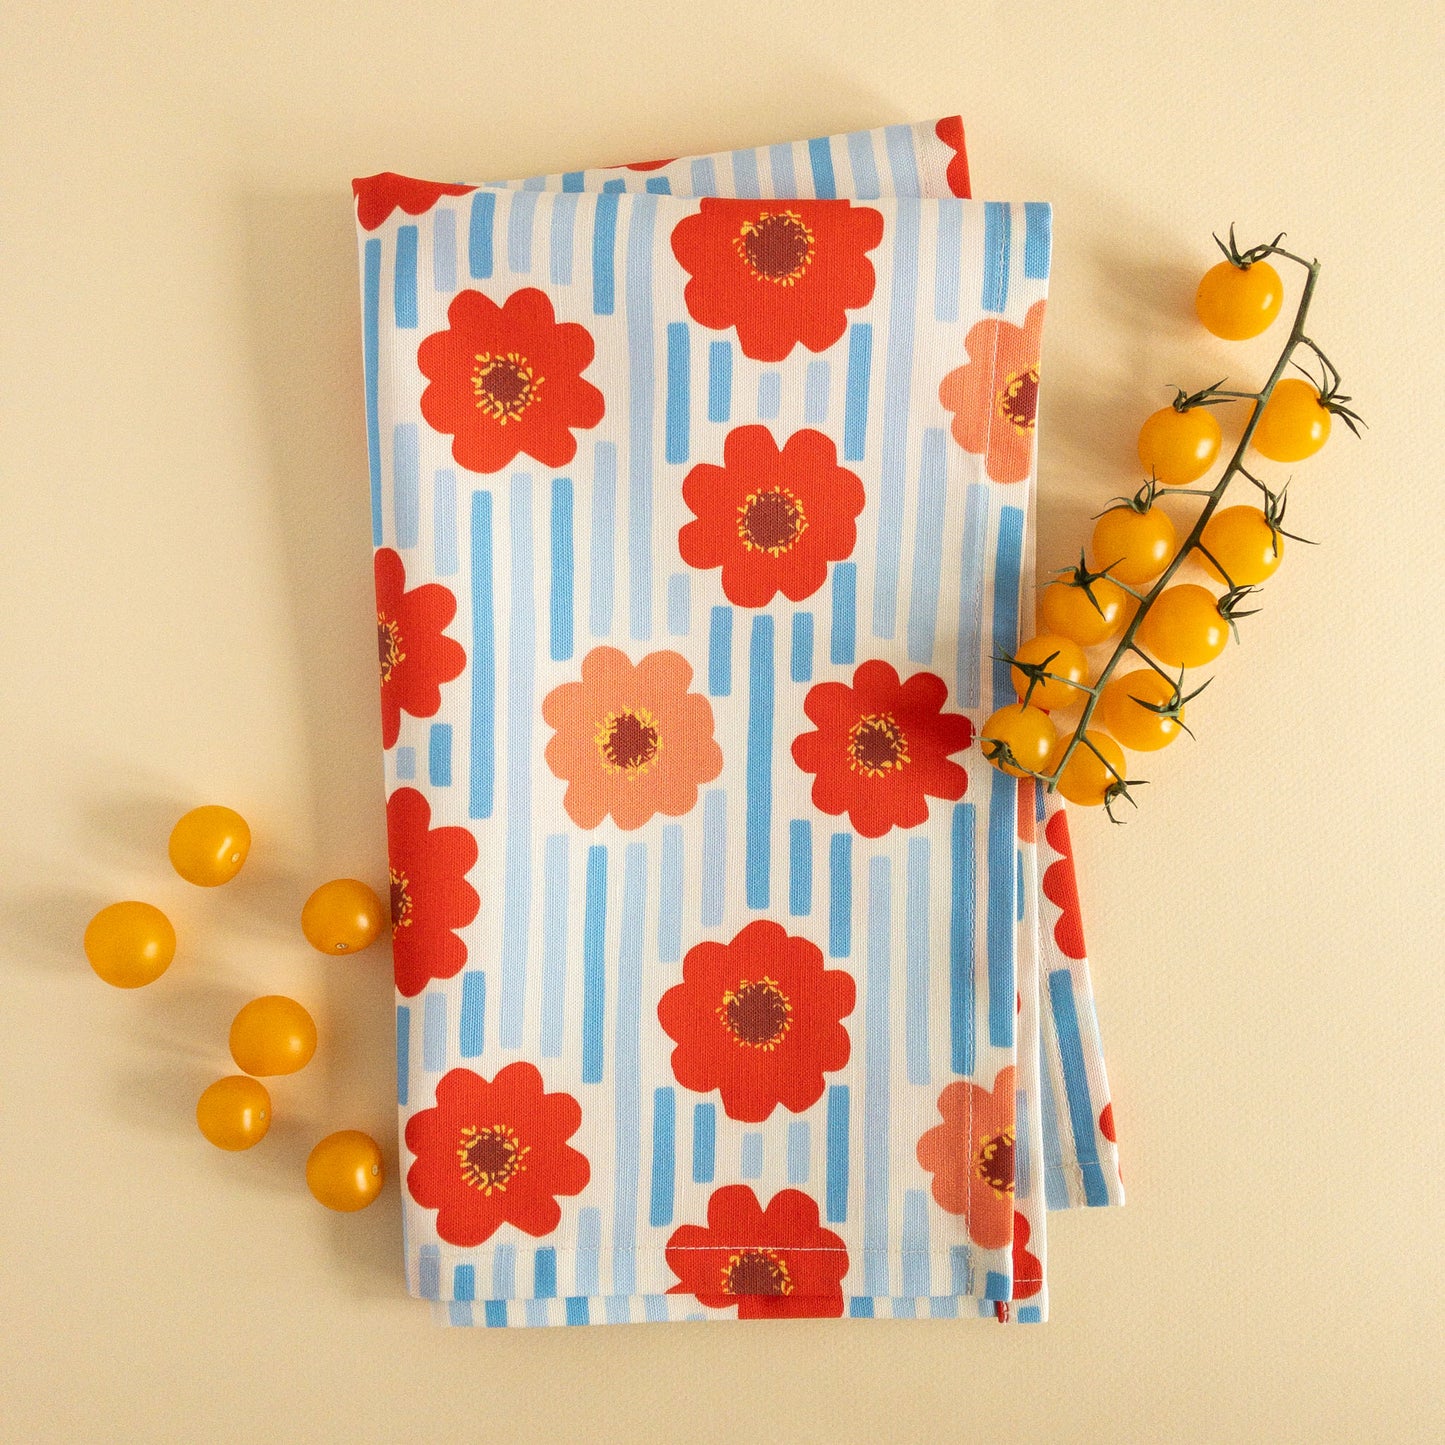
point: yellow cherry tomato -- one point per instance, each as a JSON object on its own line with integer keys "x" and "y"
{"x": 1184, "y": 627}
{"x": 1067, "y": 667}
{"x": 345, "y": 1171}
{"x": 272, "y": 1035}
{"x": 1244, "y": 544}
{"x": 1139, "y": 728}
{"x": 130, "y": 944}
{"x": 1237, "y": 302}
{"x": 1085, "y": 779}
{"x": 209, "y": 845}
{"x": 1133, "y": 546}
{"x": 234, "y": 1112}
{"x": 342, "y": 916}
{"x": 1065, "y": 610}
{"x": 1028, "y": 733}
{"x": 1178, "y": 447}
{"x": 1294, "y": 425}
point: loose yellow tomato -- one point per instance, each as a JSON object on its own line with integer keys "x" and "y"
{"x": 1133, "y": 546}
{"x": 1028, "y": 733}
{"x": 1065, "y": 610}
{"x": 342, "y": 916}
{"x": 209, "y": 845}
{"x": 1237, "y": 302}
{"x": 1242, "y": 541}
{"x": 1139, "y": 728}
{"x": 1294, "y": 425}
{"x": 130, "y": 944}
{"x": 1178, "y": 447}
{"x": 1086, "y": 779}
{"x": 345, "y": 1171}
{"x": 1184, "y": 627}
{"x": 1067, "y": 667}
{"x": 234, "y": 1112}
{"x": 272, "y": 1035}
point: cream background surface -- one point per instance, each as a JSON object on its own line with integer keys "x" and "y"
{"x": 185, "y": 605}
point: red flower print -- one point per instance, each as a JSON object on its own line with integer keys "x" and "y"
{"x": 882, "y": 748}
{"x": 378, "y": 196}
{"x": 773, "y": 1263}
{"x": 1106, "y": 1123}
{"x": 644, "y": 165}
{"x": 950, "y": 131}
{"x": 772, "y": 520}
{"x": 1028, "y": 822}
{"x": 495, "y": 1153}
{"x": 415, "y": 655}
{"x": 630, "y": 740}
{"x": 758, "y": 1019}
{"x": 1028, "y": 1269}
{"x": 508, "y": 379}
{"x": 1061, "y": 887}
{"x": 994, "y": 397}
{"x": 971, "y": 1157}
{"x": 782, "y": 272}
{"x": 430, "y": 895}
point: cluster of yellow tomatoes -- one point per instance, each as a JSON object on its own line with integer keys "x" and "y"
{"x": 131, "y": 944}
{"x": 1182, "y": 625}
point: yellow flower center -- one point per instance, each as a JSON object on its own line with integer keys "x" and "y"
{"x": 504, "y": 385}
{"x": 757, "y": 1013}
{"x": 877, "y": 745}
{"x": 400, "y": 901}
{"x": 628, "y": 741}
{"x": 388, "y": 646}
{"x": 1018, "y": 399}
{"x": 994, "y": 1162}
{"x": 776, "y": 247}
{"x": 771, "y": 521}
{"x": 491, "y": 1156}
{"x": 757, "y": 1271}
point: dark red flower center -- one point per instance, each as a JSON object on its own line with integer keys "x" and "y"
{"x": 776, "y": 247}
{"x": 504, "y": 385}
{"x": 757, "y": 1271}
{"x": 1018, "y": 398}
{"x": 628, "y": 741}
{"x": 388, "y": 645}
{"x": 771, "y": 521}
{"x": 994, "y": 1162}
{"x": 877, "y": 745}
{"x": 400, "y": 901}
{"x": 756, "y": 1013}
{"x": 491, "y": 1156}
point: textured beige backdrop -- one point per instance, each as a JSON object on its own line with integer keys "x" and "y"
{"x": 184, "y": 598}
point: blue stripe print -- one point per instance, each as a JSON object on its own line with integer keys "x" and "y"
{"x": 479, "y": 235}
{"x": 780, "y": 160}
{"x": 1038, "y": 239}
{"x": 860, "y": 1307}
{"x": 1008, "y": 562}
{"x": 403, "y": 281}
{"x": 1023, "y": 1155}
{"x": 439, "y": 755}
{"x": 865, "y": 168}
{"x": 855, "y": 400}
{"x": 996, "y": 1286}
{"x": 714, "y": 857}
{"x": 770, "y": 396}
{"x": 897, "y": 382}
{"x": 572, "y": 181}
{"x": 564, "y": 225}
{"x": 371, "y": 357}
{"x": 679, "y": 604}
{"x": 495, "y": 1313}
{"x": 428, "y": 1271}
{"x": 658, "y": 186}
{"x": 578, "y": 1312}
{"x": 719, "y": 380}
{"x": 720, "y": 652}
{"x": 521, "y": 680}
{"x": 544, "y": 1273}
{"x": 594, "y": 964}
{"x": 604, "y": 538}
{"x": 963, "y": 897}
{"x": 898, "y": 141}
{"x": 627, "y": 1072}
{"x": 745, "y": 174}
{"x": 434, "y": 1033}
{"x": 996, "y": 235}
{"x": 760, "y": 763}
{"x": 876, "y": 1120}
{"x": 445, "y": 558}
{"x": 1076, "y": 1085}
{"x": 913, "y": 1245}
{"x": 800, "y": 867}
{"x": 444, "y": 250}
{"x": 801, "y": 666}
{"x": 843, "y": 644}
{"x": 403, "y": 1055}
{"x": 799, "y": 1151}
{"x": 950, "y": 250}
{"x": 916, "y": 940}
{"x": 1056, "y": 1189}
{"x": 750, "y": 1159}
{"x": 589, "y": 1249}
{"x": 604, "y": 246}
{"x": 504, "y": 1266}
{"x": 970, "y": 593}
{"x": 1002, "y": 935}
{"x": 464, "y": 1283}
{"x": 640, "y": 343}
{"x": 471, "y": 1029}
{"x": 484, "y": 662}
{"x": 555, "y": 890}
{"x": 562, "y": 568}
{"x": 669, "y": 895}
{"x": 405, "y": 483}
{"x": 664, "y": 1167}
{"x": 815, "y": 392}
{"x": 840, "y": 895}
{"x": 704, "y": 1142}
{"x": 820, "y": 158}
{"x": 927, "y": 547}
{"x": 836, "y": 1194}
{"x": 704, "y": 177}
{"x": 405, "y": 764}
{"x": 679, "y": 383}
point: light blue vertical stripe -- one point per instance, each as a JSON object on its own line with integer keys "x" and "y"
{"x": 627, "y": 1070}
{"x": 815, "y": 392}
{"x": 917, "y": 1275}
{"x": 876, "y": 1121}
{"x": 484, "y": 662}
{"x": 1020, "y": 899}
{"x": 970, "y": 593}
{"x": 658, "y": 186}
{"x": 444, "y": 250}
{"x": 403, "y": 1054}
{"x": 801, "y": 665}
{"x": 943, "y": 1307}
{"x": 820, "y": 158}
{"x": 770, "y": 396}
{"x": 865, "y": 168}
{"x": 960, "y": 1269}
{"x": 544, "y": 1273}
{"x": 555, "y": 891}
{"x": 679, "y": 398}
{"x": 564, "y": 225}
{"x": 745, "y": 174}
{"x": 405, "y": 483}
{"x": 403, "y": 281}
{"x": 1056, "y": 1189}
{"x": 594, "y": 964}
{"x": 750, "y": 1162}
{"x": 719, "y": 380}
{"x": 897, "y": 382}
{"x": 1038, "y": 239}
{"x": 405, "y": 764}
{"x": 927, "y": 547}
{"x": 720, "y": 652}
{"x": 760, "y": 763}
{"x": 640, "y": 346}
{"x": 573, "y": 181}
{"x": 521, "y": 686}
{"x": 840, "y": 895}
{"x": 534, "y": 183}
{"x": 905, "y": 1307}
{"x": 996, "y": 235}
{"x": 845, "y": 613}
{"x": 439, "y": 755}
{"x": 704, "y": 177}
{"x": 604, "y": 538}
{"x": 371, "y": 360}
{"x": 434, "y": 1032}
{"x": 898, "y": 140}
{"x": 428, "y": 1271}
{"x": 562, "y": 569}
{"x": 604, "y": 248}
{"x": 464, "y": 1283}
{"x": 800, "y": 867}
{"x": 963, "y": 902}
{"x": 714, "y": 857}
{"x": 1076, "y": 1085}
{"x": 669, "y": 895}
{"x": 916, "y": 937}
{"x": 444, "y": 523}
{"x": 836, "y": 1195}
{"x": 855, "y": 399}
{"x": 1007, "y": 565}
{"x": 950, "y": 250}
{"x": 679, "y": 604}
{"x": 479, "y": 235}
{"x": 664, "y": 1166}
{"x": 471, "y": 1029}
{"x": 504, "y": 1271}
{"x": 1023, "y": 1155}
{"x": 780, "y": 161}
{"x": 799, "y": 1151}
{"x": 589, "y": 1244}
{"x": 704, "y": 1142}
{"x": 654, "y": 1308}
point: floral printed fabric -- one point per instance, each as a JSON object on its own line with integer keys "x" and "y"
{"x": 731, "y": 982}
